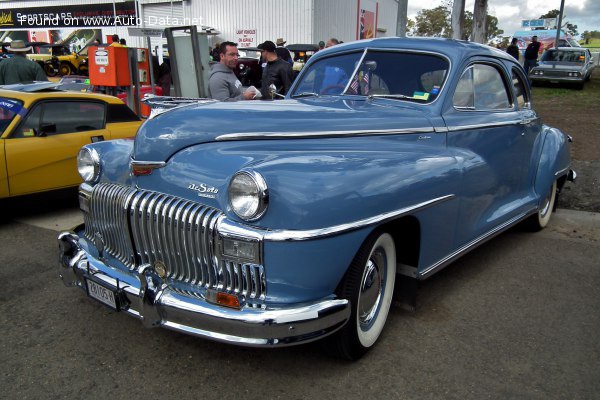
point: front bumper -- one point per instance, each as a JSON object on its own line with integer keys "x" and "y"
{"x": 144, "y": 295}
{"x": 556, "y": 79}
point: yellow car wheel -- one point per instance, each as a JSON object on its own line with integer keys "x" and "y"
{"x": 65, "y": 69}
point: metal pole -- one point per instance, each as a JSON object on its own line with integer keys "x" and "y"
{"x": 559, "y": 27}
{"x": 151, "y": 63}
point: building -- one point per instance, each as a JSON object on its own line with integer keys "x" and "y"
{"x": 248, "y": 22}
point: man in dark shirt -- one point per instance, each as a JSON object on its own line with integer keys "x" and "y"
{"x": 513, "y": 49}
{"x": 19, "y": 69}
{"x": 531, "y": 54}
{"x": 282, "y": 52}
{"x": 275, "y": 71}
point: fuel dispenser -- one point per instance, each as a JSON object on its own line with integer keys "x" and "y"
{"x": 122, "y": 71}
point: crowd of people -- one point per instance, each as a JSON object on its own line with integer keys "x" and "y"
{"x": 277, "y": 74}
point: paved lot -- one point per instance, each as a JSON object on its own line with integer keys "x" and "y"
{"x": 516, "y": 318}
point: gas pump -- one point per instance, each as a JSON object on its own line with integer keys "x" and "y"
{"x": 121, "y": 71}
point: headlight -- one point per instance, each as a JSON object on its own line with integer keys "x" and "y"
{"x": 248, "y": 195}
{"x": 88, "y": 165}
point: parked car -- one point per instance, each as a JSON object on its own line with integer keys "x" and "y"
{"x": 245, "y": 224}
{"x": 42, "y": 129}
{"x": 249, "y": 67}
{"x": 58, "y": 58}
{"x": 301, "y": 54}
{"x": 573, "y": 65}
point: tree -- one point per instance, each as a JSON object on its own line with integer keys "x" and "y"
{"x": 458, "y": 19}
{"x": 567, "y": 26}
{"x": 491, "y": 26}
{"x": 433, "y": 22}
{"x": 480, "y": 21}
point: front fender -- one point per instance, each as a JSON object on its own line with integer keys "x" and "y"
{"x": 554, "y": 159}
{"x": 115, "y": 156}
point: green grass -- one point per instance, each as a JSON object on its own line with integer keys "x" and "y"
{"x": 588, "y": 97}
{"x": 594, "y": 42}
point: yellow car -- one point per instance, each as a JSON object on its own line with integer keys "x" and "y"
{"x": 42, "y": 131}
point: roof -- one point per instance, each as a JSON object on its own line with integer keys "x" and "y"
{"x": 454, "y": 49}
{"x": 34, "y": 91}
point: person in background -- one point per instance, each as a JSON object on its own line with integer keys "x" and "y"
{"x": 115, "y": 41}
{"x": 513, "y": 49}
{"x": 282, "y": 52}
{"x": 531, "y": 54}
{"x": 332, "y": 42}
{"x": 19, "y": 69}
{"x": 223, "y": 85}
{"x": 321, "y": 45}
{"x": 275, "y": 71}
{"x": 215, "y": 52}
{"x": 123, "y": 42}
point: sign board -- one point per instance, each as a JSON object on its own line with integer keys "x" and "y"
{"x": 101, "y": 57}
{"x": 547, "y": 23}
{"x": 144, "y": 32}
{"x": 245, "y": 37}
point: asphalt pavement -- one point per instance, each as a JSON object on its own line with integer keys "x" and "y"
{"x": 515, "y": 319}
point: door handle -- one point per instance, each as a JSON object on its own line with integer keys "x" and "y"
{"x": 99, "y": 138}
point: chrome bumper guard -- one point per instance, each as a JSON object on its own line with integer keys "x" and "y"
{"x": 144, "y": 295}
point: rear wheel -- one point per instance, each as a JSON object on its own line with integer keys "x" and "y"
{"x": 369, "y": 285}
{"x": 540, "y": 220}
{"x": 65, "y": 69}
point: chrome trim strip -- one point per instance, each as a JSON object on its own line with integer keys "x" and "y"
{"x": 230, "y": 228}
{"x": 440, "y": 129}
{"x": 561, "y": 172}
{"x": 487, "y": 125}
{"x": 297, "y": 135}
{"x": 147, "y": 164}
{"x": 444, "y": 262}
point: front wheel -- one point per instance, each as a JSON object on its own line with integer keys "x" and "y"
{"x": 540, "y": 220}
{"x": 369, "y": 285}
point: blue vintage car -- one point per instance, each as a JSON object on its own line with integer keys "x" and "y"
{"x": 273, "y": 223}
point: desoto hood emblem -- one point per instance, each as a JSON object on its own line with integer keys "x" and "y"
{"x": 203, "y": 190}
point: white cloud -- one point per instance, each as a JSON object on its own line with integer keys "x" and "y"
{"x": 583, "y": 13}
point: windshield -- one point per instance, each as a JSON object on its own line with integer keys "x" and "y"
{"x": 401, "y": 75}
{"x": 564, "y": 56}
{"x": 8, "y": 109}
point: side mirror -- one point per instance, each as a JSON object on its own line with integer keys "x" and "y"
{"x": 45, "y": 129}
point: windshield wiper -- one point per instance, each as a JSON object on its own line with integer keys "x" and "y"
{"x": 305, "y": 94}
{"x": 393, "y": 96}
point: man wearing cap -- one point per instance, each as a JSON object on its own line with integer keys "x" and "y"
{"x": 321, "y": 45}
{"x": 282, "y": 52}
{"x": 19, "y": 69}
{"x": 275, "y": 71}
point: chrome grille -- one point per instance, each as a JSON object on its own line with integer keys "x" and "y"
{"x": 181, "y": 234}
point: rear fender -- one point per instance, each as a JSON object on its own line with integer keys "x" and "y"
{"x": 554, "y": 159}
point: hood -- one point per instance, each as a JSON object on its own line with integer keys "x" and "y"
{"x": 161, "y": 137}
{"x": 220, "y": 68}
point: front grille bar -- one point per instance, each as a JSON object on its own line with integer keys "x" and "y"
{"x": 181, "y": 234}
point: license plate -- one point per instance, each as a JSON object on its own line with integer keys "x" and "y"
{"x": 102, "y": 294}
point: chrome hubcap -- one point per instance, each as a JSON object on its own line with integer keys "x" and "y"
{"x": 371, "y": 289}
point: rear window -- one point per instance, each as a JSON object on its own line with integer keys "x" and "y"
{"x": 9, "y": 108}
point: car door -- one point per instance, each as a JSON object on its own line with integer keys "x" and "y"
{"x": 41, "y": 152}
{"x": 486, "y": 133}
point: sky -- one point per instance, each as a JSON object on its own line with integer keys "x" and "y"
{"x": 583, "y": 13}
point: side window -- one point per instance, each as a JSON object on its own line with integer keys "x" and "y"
{"x": 31, "y": 126}
{"x": 56, "y": 117}
{"x": 72, "y": 116}
{"x": 481, "y": 87}
{"x": 463, "y": 96}
{"x": 520, "y": 90}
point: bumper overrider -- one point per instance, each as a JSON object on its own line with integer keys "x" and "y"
{"x": 144, "y": 294}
